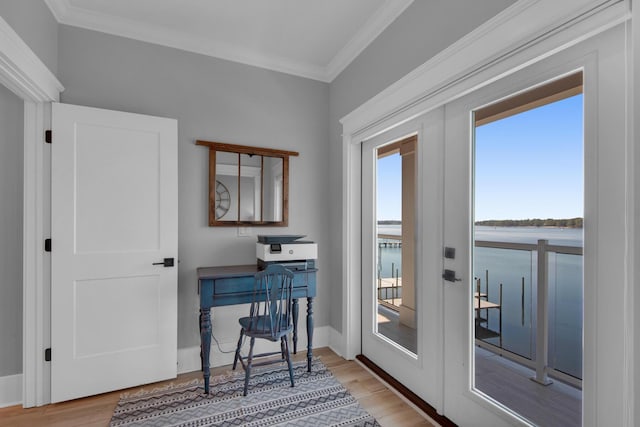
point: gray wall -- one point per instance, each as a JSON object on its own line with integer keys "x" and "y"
{"x": 423, "y": 30}
{"x": 37, "y": 27}
{"x": 11, "y": 153}
{"x": 215, "y": 100}
{"x": 35, "y": 24}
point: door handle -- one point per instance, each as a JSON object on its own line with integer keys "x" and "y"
{"x": 167, "y": 262}
{"x": 450, "y": 276}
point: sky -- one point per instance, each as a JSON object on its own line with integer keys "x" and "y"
{"x": 529, "y": 165}
{"x": 389, "y": 199}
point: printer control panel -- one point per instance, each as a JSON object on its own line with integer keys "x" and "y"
{"x": 285, "y": 249}
{"x": 275, "y": 248}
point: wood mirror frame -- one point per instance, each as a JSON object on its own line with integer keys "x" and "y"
{"x": 280, "y": 206}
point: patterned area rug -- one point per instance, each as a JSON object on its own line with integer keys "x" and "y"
{"x": 317, "y": 399}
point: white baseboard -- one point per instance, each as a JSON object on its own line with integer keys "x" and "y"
{"x": 10, "y": 390}
{"x": 189, "y": 357}
{"x": 335, "y": 342}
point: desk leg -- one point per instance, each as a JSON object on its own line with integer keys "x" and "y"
{"x": 205, "y": 345}
{"x": 295, "y": 308}
{"x": 309, "y": 332}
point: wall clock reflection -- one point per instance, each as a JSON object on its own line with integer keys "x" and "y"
{"x": 223, "y": 200}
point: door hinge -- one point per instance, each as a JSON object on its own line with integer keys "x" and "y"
{"x": 47, "y": 245}
{"x": 47, "y": 355}
{"x": 48, "y": 137}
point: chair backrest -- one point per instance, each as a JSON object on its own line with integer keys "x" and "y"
{"x": 271, "y": 307}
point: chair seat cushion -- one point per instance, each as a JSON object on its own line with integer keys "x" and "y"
{"x": 261, "y": 327}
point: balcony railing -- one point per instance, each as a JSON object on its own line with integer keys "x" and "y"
{"x": 557, "y": 285}
{"x": 389, "y": 275}
{"x": 528, "y": 298}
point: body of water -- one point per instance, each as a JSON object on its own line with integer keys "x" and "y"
{"x": 513, "y": 269}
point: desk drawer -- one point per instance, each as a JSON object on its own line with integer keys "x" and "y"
{"x": 233, "y": 285}
{"x": 237, "y": 285}
{"x": 300, "y": 280}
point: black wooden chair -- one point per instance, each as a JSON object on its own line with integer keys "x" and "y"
{"x": 270, "y": 318}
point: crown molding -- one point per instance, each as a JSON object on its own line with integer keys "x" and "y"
{"x": 365, "y": 36}
{"x": 58, "y": 8}
{"x": 22, "y": 71}
{"x": 527, "y": 24}
{"x": 66, "y": 13}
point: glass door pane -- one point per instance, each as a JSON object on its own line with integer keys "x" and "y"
{"x": 395, "y": 225}
{"x": 527, "y": 257}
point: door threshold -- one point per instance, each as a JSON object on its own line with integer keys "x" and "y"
{"x": 405, "y": 392}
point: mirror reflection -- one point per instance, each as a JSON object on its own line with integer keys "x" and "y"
{"x": 226, "y": 185}
{"x": 247, "y": 185}
{"x": 250, "y": 183}
{"x": 273, "y": 188}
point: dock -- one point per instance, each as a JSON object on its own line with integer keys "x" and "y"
{"x": 391, "y": 241}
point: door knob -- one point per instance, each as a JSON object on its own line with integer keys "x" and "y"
{"x": 167, "y": 262}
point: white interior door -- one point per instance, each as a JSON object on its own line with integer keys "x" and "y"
{"x": 114, "y": 214}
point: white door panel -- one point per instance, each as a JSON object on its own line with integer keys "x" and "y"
{"x": 420, "y": 370}
{"x": 133, "y": 226}
{"x": 114, "y": 214}
{"x": 96, "y": 298}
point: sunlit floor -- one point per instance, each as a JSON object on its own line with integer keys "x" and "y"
{"x": 505, "y": 381}
{"x": 390, "y": 327}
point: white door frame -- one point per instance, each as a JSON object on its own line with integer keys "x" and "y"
{"x": 517, "y": 37}
{"x": 22, "y": 72}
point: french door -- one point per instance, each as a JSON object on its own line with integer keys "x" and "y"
{"x": 436, "y": 366}
{"x": 461, "y": 404}
{"x": 441, "y": 369}
{"x": 401, "y": 284}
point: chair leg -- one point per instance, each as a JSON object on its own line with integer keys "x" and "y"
{"x": 288, "y": 353}
{"x": 247, "y": 374}
{"x": 282, "y": 348}
{"x": 237, "y": 356}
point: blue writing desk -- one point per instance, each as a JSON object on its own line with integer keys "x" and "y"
{"x": 230, "y": 285}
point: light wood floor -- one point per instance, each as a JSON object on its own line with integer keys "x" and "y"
{"x": 373, "y": 395}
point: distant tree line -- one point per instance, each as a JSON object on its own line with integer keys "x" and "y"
{"x": 536, "y": 222}
{"x": 389, "y": 222}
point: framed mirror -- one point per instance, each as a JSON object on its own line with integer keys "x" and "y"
{"x": 247, "y": 185}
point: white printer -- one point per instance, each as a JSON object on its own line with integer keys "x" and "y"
{"x": 286, "y": 249}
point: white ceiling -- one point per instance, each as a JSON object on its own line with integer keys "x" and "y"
{"x": 316, "y": 39}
